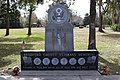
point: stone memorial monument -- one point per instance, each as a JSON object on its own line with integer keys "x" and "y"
{"x": 59, "y": 51}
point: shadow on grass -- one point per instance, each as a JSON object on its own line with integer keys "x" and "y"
{"x": 9, "y": 54}
{"x": 113, "y": 67}
{"x": 111, "y": 35}
{"x": 27, "y": 39}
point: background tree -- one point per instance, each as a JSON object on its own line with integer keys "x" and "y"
{"x": 100, "y": 17}
{"x": 22, "y": 21}
{"x": 86, "y": 20}
{"x": 118, "y": 11}
{"x": 103, "y": 8}
{"x": 33, "y": 18}
{"x": 8, "y": 18}
{"x": 114, "y": 10}
{"x": 106, "y": 19}
{"x": 92, "y": 34}
{"x": 29, "y": 5}
{"x": 76, "y": 20}
{"x": 0, "y": 3}
{"x": 8, "y": 8}
{"x": 39, "y": 23}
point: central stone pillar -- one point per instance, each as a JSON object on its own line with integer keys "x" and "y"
{"x": 59, "y": 31}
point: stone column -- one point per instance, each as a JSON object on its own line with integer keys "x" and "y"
{"x": 59, "y": 31}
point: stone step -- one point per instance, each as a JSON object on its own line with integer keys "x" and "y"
{"x": 65, "y": 72}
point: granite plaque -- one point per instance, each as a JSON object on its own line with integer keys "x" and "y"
{"x": 60, "y": 60}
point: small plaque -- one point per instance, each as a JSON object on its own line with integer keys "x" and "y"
{"x": 55, "y": 61}
{"x": 72, "y": 61}
{"x": 27, "y": 60}
{"x": 64, "y": 61}
{"x": 81, "y": 61}
{"x": 46, "y": 61}
{"x": 91, "y": 59}
{"x": 37, "y": 61}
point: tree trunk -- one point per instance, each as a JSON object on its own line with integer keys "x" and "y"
{"x": 119, "y": 17}
{"x": 29, "y": 27}
{"x": 100, "y": 17}
{"x": 7, "y": 27}
{"x": 92, "y": 34}
{"x": 113, "y": 19}
{"x": 8, "y": 19}
{"x": 118, "y": 12}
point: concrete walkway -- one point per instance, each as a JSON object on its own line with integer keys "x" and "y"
{"x": 111, "y": 77}
{"x": 60, "y": 75}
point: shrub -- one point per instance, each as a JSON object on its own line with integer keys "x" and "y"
{"x": 115, "y": 27}
{"x": 118, "y": 28}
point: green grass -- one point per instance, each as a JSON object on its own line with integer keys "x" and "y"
{"x": 10, "y": 46}
{"x": 108, "y": 44}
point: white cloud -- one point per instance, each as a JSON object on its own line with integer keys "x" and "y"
{"x": 41, "y": 11}
{"x": 81, "y": 6}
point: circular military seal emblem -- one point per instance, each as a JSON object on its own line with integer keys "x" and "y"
{"x": 58, "y": 14}
{"x": 81, "y": 61}
{"x": 72, "y": 61}
{"x": 46, "y": 61}
{"x": 55, "y": 61}
{"x": 37, "y": 61}
{"x": 64, "y": 61}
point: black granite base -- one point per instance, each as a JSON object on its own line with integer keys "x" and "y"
{"x": 65, "y": 60}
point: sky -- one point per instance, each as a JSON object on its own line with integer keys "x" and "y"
{"x": 80, "y": 7}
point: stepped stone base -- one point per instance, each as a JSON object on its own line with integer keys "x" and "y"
{"x": 60, "y": 73}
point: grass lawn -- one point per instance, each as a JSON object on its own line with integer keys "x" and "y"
{"x": 108, "y": 44}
